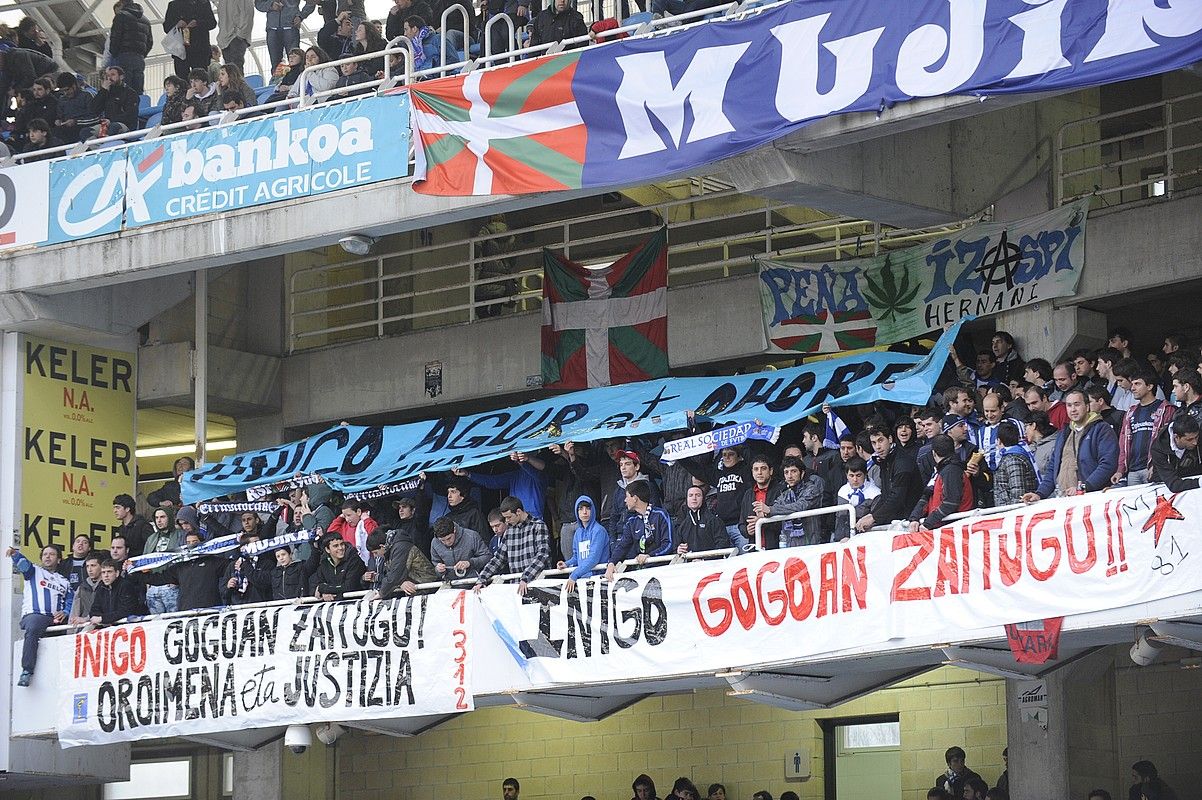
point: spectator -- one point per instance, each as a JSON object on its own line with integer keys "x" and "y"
{"x": 424, "y": 42}
{"x": 1083, "y": 366}
{"x": 572, "y": 476}
{"x": 630, "y": 471}
{"x": 1175, "y": 459}
{"x": 81, "y": 607}
{"x": 1038, "y": 372}
{"x": 415, "y": 525}
{"x": 315, "y": 507}
{"x": 1120, "y": 339}
{"x": 1009, "y": 365}
{"x": 116, "y": 105}
{"x": 1040, "y": 435}
{"x": 235, "y": 24}
{"x": 118, "y": 549}
{"x": 644, "y": 788}
{"x": 975, "y": 789}
{"x": 73, "y": 568}
{"x": 858, "y": 492}
{"x": 368, "y": 40}
{"x": 335, "y": 567}
{"x": 30, "y": 36}
{"x": 1039, "y": 400}
{"x": 1016, "y": 473}
{"x": 198, "y": 575}
{"x": 820, "y": 461}
{"x": 1187, "y": 388}
{"x": 590, "y": 543}
{"x": 1105, "y": 361}
{"x": 1003, "y": 781}
{"x": 1142, "y": 425}
{"x": 130, "y": 42}
{"x": 289, "y": 580}
{"x": 696, "y": 529}
{"x": 905, "y": 433}
{"x": 174, "y": 91}
{"x": 194, "y": 19}
{"x": 957, "y": 775}
{"x": 160, "y": 584}
{"x": 283, "y": 26}
{"x": 167, "y": 495}
{"x": 525, "y": 483}
{"x": 716, "y": 792}
{"x": 762, "y": 794}
{"x": 42, "y": 104}
{"x": 116, "y": 597}
{"x": 318, "y": 80}
{"x": 1099, "y": 794}
{"x": 133, "y": 526}
{"x": 987, "y": 434}
{"x": 900, "y": 488}
{"x": 287, "y": 79}
{"x": 46, "y": 600}
{"x": 406, "y": 565}
{"x": 1099, "y": 403}
{"x": 1063, "y": 379}
{"x": 496, "y": 523}
{"x": 950, "y": 493}
{"x": 457, "y": 550}
{"x": 247, "y": 579}
{"x": 558, "y": 22}
{"x": 231, "y": 85}
{"x": 938, "y": 794}
{"x": 193, "y": 110}
{"x": 731, "y": 477}
{"x": 1085, "y": 456}
{"x": 1149, "y": 785}
{"x": 74, "y": 109}
{"x": 461, "y": 509}
{"x": 399, "y": 11}
{"x": 38, "y": 139}
{"x": 525, "y": 547}
{"x": 758, "y": 500}
{"x": 213, "y": 70}
{"x": 20, "y": 68}
{"x": 510, "y": 788}
{"x": 496, "y": 242}
{"x": 802, "y": 490}
{"x": 646, "y": 533}
{"x": 683, "y": 788}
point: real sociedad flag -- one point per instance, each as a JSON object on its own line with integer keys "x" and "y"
{"x": 835, "y": 428}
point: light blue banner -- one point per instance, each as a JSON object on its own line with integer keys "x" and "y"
{"x": 87, "y": 195}
{"x": 313, "y": 151}
{"x": 354, "y": 457}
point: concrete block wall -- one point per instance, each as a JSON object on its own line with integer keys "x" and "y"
{"x": 706, "y": 736}
{"x": 1158, "y": 711}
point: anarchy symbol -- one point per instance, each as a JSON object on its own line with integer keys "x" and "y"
{"x": 1004, "y": 256}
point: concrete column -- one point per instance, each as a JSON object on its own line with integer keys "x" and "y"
{"x": 1039, "y": 768}
{"x": 1043, "y": 330}
{"x": 257, "y": 774}
{"x": 255, "y": 433}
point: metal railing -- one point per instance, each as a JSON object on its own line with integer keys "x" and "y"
{"x": 825, "y": 511}
{"x": 472, "y": 277}
{"x": 1140, "y": 153}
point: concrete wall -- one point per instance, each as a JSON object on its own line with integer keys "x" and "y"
{"x": 706, "y": 735}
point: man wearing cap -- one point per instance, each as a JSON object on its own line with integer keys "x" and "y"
{"x": 412, "y": 523}
{"x": 959, "y": 430}
{"x": 629, "y": 471}
{"x": 134, "y": 527}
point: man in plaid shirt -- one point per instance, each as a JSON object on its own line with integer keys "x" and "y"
{"x": 525, "y": 549}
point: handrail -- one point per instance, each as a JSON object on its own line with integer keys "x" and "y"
{"x": 442, "y": 27}
{"x": 308, "y": 98}
{"x": 810, "y": 512}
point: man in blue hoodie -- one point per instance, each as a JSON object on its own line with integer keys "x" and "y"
{"x": 590, "y": 543}
{"x": 646, "y": 533}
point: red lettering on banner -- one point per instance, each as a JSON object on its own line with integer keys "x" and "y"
{"x": 1081, "y": 565}
{"x": 116, "y": 651}
{"x": 924, "y": 540}
{"x": 947, "y": 563}
{"x": 1112, "y": 568}
{"x": 773, "y": 595}
{"x": 744, "y": 599}
{"x": 828, "y": 593}
{"x": 853, "y": 578}
{"x": 1048, "y": 542}
{"x": 715, "y": 604}
{"x": 797, "y": 574}
{"x": 1010, "y": 567}
{"x": 986, "y": 529}
{"x": 1118, "y": 513}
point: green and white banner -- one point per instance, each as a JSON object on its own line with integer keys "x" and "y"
{"x": 866, "y": 302}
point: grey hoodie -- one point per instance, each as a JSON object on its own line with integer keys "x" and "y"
{"x": 468, "y": 547}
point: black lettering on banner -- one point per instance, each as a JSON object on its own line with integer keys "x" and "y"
{"x": 369, "y": 445}
{"x": 8, "y": 199}
{"x": 841, "y": 380}
{"x": 757, "y": 394}
{"x": 798, "y": 388}
{"x": 340, "y": 436}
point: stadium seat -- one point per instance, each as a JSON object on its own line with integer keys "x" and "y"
{"x": 637, "y": 19}
{"x": 264, "y": 92}
{"x": 254, "y": 81}
{"x": 144, "y": 105}
{"x": 154, "y": 119}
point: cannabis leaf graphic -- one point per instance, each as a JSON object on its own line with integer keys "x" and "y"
{"x": 891, "y": 299}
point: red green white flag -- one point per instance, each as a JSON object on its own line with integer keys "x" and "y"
{"x": 606, "y": 326}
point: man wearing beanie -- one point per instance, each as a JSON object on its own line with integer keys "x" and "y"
{"x": 134, "y": 527}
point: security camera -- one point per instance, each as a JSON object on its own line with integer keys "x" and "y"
{"x": 297, "y": 738}
{"x": 328, "y": 734}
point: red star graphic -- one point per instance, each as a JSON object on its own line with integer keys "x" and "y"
{"x": 1163, "y": 512}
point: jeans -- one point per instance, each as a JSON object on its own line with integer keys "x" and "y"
{"x": 135, "y": 69}
{"x": 162, "y": 599}
{"x": 235, "y": 52}
{"x": 35, "y": 626}
{"x": 280, "y": 41}
{"x": 737, "y": 539}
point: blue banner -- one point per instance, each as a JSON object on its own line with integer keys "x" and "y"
{"x": 669, "y": 104}
{"x": 87, "y": 195}
{"x": 355, "y": 457}
{"x": 268, "y": 160}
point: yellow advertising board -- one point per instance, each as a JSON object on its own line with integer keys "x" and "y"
{"x": 78, "y": 417}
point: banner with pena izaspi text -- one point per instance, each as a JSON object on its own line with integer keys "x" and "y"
{"x": 263, "y": 667}
{"x": 78, "y": 409}
{"x": 868, "y": 302}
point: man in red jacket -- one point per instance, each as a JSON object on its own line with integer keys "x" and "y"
{"x": 354, "y": 526}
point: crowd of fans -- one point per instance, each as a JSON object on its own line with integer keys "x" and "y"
{"x": 1000, "y": 432}
{"x": 46, "y": 107}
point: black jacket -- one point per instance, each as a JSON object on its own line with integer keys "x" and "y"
{"x": 290, "y": 582}
{"x": 200, "y": 581}
{"x": 197, "y": 48}
{"x": 900, "y": 488}
{"x": 404, "y": 562}
{"x": 467, "y": 515}
{"x": 771, "y": 530}
{"x": 951, "y": 494}
{"x": 550, "y": 26}
{"x": 701, "y": 530}
{"x": 256, "y": 576}
{"x": 117, "y": 104}
{"x": 730, "y": 484}
{"x": 130, "y": 32}
{"x": 112, "y": 603}
{"x": 136, "y": 532}
{"x": 170, "y": 489}
{"x": 336, "y": 579}
{"x": 1176, "y": 472}
{"x": 22, "y": 67}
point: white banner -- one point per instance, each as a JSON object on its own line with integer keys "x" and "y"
{"x": 1061, "y": 557}
{"x": 24, "y": 204}
{"x": 258, "y": 668}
